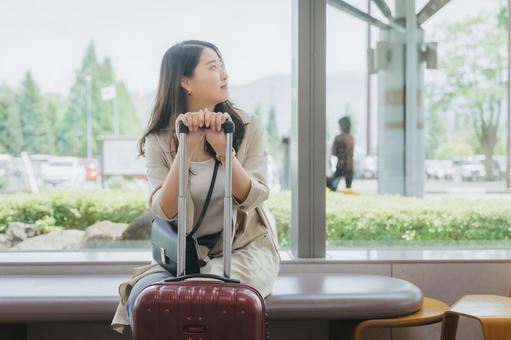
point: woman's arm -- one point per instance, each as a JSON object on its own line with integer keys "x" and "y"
{"x": 163, "y": 183}
{"x": 170, "y": 188}
{"x": 255, "y": 167}
{"x": 240, "y": 181}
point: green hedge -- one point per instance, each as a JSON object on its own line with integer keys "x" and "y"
{"x": 395, "y": 220}
{"x": 351, "y": 220}
{"x": 72, "y": 209}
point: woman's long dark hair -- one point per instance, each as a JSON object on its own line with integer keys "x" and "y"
{"x": 181, "y": 60}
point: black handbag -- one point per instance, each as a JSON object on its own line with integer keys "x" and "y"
{"x": 164, "y": 239}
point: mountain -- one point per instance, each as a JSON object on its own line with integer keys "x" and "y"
{"x": 346, "y": 93}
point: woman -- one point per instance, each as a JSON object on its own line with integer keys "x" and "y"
{"x": 193, "y": 89}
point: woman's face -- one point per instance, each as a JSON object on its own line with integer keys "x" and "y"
{"x": 209, "y": 83}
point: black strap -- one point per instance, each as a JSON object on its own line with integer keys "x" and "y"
{"x": 206, "y": 203}
{"x": 209, "y": 240}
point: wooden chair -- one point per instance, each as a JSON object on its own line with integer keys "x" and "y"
{"x": 492, "y": 311}
{"x": 432, "y": 311}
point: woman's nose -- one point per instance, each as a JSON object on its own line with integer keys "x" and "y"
{"x": 225, "y": 75}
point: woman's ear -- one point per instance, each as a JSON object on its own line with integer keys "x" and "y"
{"x": 185, "y": 84}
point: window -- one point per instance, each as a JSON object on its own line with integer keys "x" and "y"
{"x": 426, "y": 171}
{"x": 78, "y": 93}
{"x": 429, "y": 125}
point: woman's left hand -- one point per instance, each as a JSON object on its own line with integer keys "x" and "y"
{"x": 215, "y": 134}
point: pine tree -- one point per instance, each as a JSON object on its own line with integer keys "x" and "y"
{"x": 36, "y": 128}
{"x": 72, "y": 130}
{"x": 10, "y": 127}
{"x": 272, "y": 133}
{"x": 258, "y": 111}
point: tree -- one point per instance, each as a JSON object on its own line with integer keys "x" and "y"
{"x": 10, "y": 127}
{"x": 55, "y": 107}
{"x": 36, "y": 131}
{"x": 72, "y": 130}
{"x": 436, "y": 132}
{"x": 448, "y": 151}
{"x": 272, "y": 132}
{"x": 259, "y": 113}
{"x": 474, "y": 76}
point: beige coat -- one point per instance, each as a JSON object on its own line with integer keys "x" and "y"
{"x": 255, "y": 257}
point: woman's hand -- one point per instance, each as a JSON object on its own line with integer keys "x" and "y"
{"x": 195, "y": 136}
{"x": 215, "y": 134}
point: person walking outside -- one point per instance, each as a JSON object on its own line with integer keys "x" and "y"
{"x": 342, "y": 148}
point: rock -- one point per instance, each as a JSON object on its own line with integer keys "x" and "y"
{"x": 140, "y": 228}
{"x": 102, "y": 233}
{"x": 18, "y": 231}
{"x": 55, "y": 240}
{"x": 5, "y": 243}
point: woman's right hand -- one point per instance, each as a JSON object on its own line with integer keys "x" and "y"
{"x": 194, "y": 121}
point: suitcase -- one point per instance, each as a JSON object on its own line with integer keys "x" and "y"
{"x": 190, "y": 308}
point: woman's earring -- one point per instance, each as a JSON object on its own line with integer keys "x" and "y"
{"x": 190, "y": 93}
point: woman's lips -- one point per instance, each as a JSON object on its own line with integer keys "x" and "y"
{"x": 224, "y": 87}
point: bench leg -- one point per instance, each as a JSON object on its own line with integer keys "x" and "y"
{"x": 449, "y": 326}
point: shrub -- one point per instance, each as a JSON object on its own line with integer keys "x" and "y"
{"x": 395, "y": 220}
{"x": 72, "y": 209}
{"x": 351, "y": 220}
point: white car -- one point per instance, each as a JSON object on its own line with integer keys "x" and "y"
{"x": 63, "y": 171}
{"x": 5, "y": 164}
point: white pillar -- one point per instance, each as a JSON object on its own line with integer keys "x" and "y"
{"x": 400, "y": 106}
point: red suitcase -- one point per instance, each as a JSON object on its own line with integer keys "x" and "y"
{"x": 188, "y": 309}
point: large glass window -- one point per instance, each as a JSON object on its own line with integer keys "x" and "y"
{"x": 423, "y": 163}
{"x": 465, "y": 99}
{"x": 78, "y": 83}
{"x": 429, "y": 171}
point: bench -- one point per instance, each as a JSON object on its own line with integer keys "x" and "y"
{"x": 26, "y": 298}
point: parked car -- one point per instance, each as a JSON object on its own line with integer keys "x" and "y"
{"x": 439, "y": 169}
{"x": 12, "y": 173}
{"x": 5, "y": 164}
{"x": 38, "y": 161}
{"x": 501, "y": 162}
{"x": 63, "y": 171}
{"x": 92, "y": 172}
{"x": 498, "y": 165}
{"x": 472, "y": 168}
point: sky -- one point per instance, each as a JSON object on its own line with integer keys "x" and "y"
{"x": 49, "y": 37}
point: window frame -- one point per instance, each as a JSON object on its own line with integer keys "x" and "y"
{"x": 308, "y": 96}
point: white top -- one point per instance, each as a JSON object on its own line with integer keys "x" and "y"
{"x": 213, "y": 221}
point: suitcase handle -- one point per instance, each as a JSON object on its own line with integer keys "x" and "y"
{"x": 228, "y": 127}
{"x": 210, "y": 276}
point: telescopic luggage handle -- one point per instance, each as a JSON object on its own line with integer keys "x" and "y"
{"x": 228, "y": 128}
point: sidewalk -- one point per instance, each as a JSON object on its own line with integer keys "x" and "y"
{"x": 480, "y": 190}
